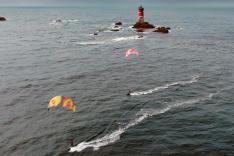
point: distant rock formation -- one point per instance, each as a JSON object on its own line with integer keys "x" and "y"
{"x": 58, "y": 21}
{"x": 118, "y": 23}
{"x": 162, "y": 29}
{"x": 168, "y": 28}
{"x": 2, "y": 18}
{"x": 116, "y": 28}
{"x": 144, "y": 25}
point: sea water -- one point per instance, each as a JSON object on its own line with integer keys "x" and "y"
{"x": 182, "y": 82}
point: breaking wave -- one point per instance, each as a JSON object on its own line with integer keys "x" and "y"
{"x": 179, "y": 28}
{"x": 140, "y": 117}
{"x": 91, "y": 43}
{"x": 126, "y": 38}
{"x": 63, "y": 21}
{"x": 194, "y": 79}
{"x": 119, "y": 39}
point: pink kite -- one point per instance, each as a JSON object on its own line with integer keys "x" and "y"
{"x": 132, "y": 51}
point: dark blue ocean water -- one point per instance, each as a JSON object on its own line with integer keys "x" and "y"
{"x": 183, "y": 83}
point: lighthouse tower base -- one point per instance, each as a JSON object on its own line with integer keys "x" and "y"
{"x": 143, "y": 25}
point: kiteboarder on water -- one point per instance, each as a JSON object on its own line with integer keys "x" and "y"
{"x": 72, "y": 142}
{"x": 140, "y": 35}
{"x": 129, "y": 92}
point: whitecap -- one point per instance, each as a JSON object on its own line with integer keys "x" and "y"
{"x": 91, "y": 43}
{"x": 62, "y": 21}
{"x": 126, "y": 38}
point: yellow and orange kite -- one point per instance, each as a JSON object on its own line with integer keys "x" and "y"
{"x": 67, "y": 102}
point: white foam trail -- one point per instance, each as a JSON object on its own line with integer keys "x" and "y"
{"x": 194, "y": 79}
{"x": 141, "y": 116}
{"x": 64, "y": 21}
{"x": 107, "y": 31}
{"x": 70, "y": 20}
{"x": 96, "y": 144}
{"x": 55, "y": 23}
{"x": 126, "y": 38}
{"x": 108, "y": 42}
{"x": 91, "y": 43}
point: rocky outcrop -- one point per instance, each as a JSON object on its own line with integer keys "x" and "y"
{"x": 168, "y": 28}
{"x": 144, "y": 25}
{"x": 162, "y": 29}
{"x": 118, "y": 23}
{"x": 2, "y": 18}
{"x": 58, "y": 21}
{"x": 116, "y": 28}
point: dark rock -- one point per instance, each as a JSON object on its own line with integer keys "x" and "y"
{"x": 114, "y": 30}
{"x": 115, "y": 26}
{"x": 95, "y": 33}
{"x": 168, "y": 28}
{"x": 118, "y": 23}
{"x": 144, "y": 25}
{"x": 2, "y": 18}
{"x": 58, "y": 21}
{"x": 162, "y": 29}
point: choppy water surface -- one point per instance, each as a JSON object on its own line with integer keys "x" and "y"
{"x": 182, "y": 82}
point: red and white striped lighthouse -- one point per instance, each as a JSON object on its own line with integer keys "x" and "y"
{"x": 140, "y": 14}
{"x": 141, "y": 24}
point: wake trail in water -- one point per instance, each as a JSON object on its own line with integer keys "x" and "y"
{"x": 91, "y": 43}
{"x": 140, "y": 117}
{"x": 126, "y": 38}
{"x": 193, "y": 80}
{"x": 115, "y": 40}
{"x": 63, "y": 21}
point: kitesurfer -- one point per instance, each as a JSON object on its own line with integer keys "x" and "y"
{"x": 140, "y": 35}
{"x": 129, "y": 93}
{"x": 72, "y": 142}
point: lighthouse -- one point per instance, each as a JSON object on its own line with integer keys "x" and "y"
{"x": 140, "y": 14}
{"x": 141, "y": 24}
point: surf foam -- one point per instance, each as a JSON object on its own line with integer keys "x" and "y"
{"x": 126, "y": 38}
{"x": 64, "y": 21}
{"x": 194, "y": 79}
{"x": 91, "y": 43}
{"x": 107, "y": 42}
{"x": 140, "y": 117}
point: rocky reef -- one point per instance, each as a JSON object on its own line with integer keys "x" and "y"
{"x": 116, "y": 26}
{"x": 2, "y": 18}
{"x": 118, "y": 23}
{"x": 143, "y": 25}
{"x": 162, "y": 29}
